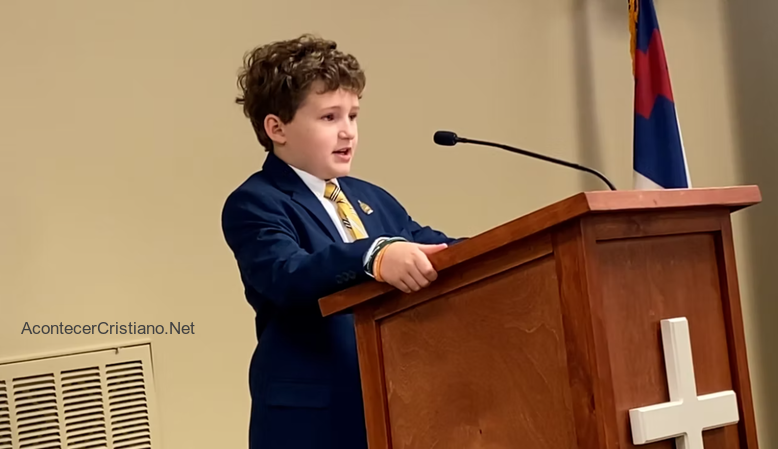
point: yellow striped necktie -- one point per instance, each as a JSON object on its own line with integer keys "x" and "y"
{"x": 346, "y": 212}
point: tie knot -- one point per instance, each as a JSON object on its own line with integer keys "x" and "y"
{"x": 333, "y": 192}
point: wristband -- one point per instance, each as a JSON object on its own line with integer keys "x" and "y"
{"x": 377, "y": 264}
{"x": 378, "y": 247}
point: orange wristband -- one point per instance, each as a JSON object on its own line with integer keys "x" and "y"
{"x": 377, "y": 265}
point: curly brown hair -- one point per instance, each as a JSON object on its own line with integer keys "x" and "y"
{"x": 277, "y": 77}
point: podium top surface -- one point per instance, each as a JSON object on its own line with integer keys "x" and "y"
{"x": 732, "y": 198}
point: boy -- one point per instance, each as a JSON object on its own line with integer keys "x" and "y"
{"x": 301, "y": 229}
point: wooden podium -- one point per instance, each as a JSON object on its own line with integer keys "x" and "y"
{"x": 544, "y": 332}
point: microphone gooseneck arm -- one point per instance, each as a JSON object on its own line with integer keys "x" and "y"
{"x": 540, "y": 156}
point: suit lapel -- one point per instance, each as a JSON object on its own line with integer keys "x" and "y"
{"x": 310, "y": 202}
{"x": 288, "y": 181}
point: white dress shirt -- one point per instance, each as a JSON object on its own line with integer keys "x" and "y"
{"x": 317, "y": 187}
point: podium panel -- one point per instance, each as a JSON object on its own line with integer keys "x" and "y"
{"x": 654, "y": 267}
{"x": 456, "y": 384}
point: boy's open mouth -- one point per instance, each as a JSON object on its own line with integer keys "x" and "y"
{"x": 343, "y": 151}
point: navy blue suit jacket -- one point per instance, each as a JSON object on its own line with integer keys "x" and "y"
{"x": 304, "y": 376}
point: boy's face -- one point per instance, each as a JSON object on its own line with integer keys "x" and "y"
{"x": 321, "y": 139}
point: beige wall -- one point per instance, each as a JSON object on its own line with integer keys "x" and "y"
{"x": 754, "y": 70}
{"x": 120, "y": 140}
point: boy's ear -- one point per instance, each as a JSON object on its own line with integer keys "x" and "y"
{"x": 275, "y": 129}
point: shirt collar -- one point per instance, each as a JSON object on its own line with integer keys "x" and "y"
{"x": 314, "y": 183}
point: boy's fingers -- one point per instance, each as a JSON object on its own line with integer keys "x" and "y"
{"x": 432, "y": 249}
{"x": 426, "y": 269}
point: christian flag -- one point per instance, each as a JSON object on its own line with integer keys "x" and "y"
{"x": 659, "y": 159}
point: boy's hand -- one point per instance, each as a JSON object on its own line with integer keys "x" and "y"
{"x": 405, "y": 265}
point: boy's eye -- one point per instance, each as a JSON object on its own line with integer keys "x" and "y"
{"x": 353, "y": 116}
{"x": 329, "y": 117}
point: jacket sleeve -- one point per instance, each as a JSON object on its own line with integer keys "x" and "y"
{"x": 269, "y": 256}
{"x": 427, "y": 235}
{"x": 412, "y": 230}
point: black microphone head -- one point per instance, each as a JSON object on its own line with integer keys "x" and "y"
{"x": 446, "y": 138}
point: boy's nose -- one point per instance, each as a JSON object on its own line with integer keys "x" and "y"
{"x": 346, "y": 133}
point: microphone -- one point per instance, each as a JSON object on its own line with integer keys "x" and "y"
{"x": 449, "y": 139}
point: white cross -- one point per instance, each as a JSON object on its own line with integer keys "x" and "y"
{"x": 686, "y": 415}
